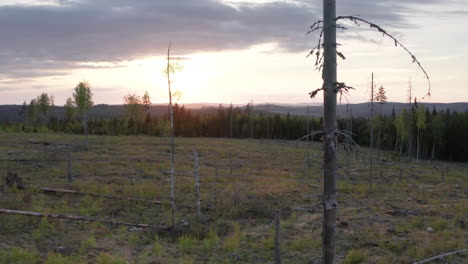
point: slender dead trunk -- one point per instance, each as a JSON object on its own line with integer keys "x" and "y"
{"x": 230, "y": 150}
{"x": 197, "y": 185}
{"x": 277, "y": 237}
{"x": 251, "y": 120}
{"x": 380, "y": 132}
{"x": 347, "y": 140}
{"x": 371, "y": 133}
{"x": 417, "y": 148}
{"x": 433, "y": 149}
{"x": 171, "y": 115}
{"x": 267, "y": 122}
{"x": 70, "y": 176}
{"x": 329, "y": 139}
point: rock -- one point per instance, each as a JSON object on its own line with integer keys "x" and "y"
{"x": 391, "y": 230}
{"x": 63, "y": 250}
{"x": 343, "y": 224}
{"x": 429, "y": 229}
{"x": 409, "y": 199}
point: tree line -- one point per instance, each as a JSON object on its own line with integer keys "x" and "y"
{"x": 416, "y": 131}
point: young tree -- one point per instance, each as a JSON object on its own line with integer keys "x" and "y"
{"x": 172, "y": 68}
{"x": 401, "y": 124}
{"x": 421, "y": 124}
{"x": 84, "y": 101}
{"x": 32, "y": 111}
{"x": 69, "y": 110}
{"x": 381, "y": 98}
{"x": 134, "y": 107}
{"x": 146, "y": 102}
{"x": 371, "y": 133}
{"x": 438, "y": 130}
{"x": 44, "y": 104}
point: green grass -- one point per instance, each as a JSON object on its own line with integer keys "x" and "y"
{"x": 387, "y": 225}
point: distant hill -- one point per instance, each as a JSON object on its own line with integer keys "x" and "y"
{"x": 11, "y": 112}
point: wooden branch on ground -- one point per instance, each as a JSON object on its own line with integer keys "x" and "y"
{"x": 45, "y": 143}
{"x": 79, "y": 218}
{"x": 440, "y": 256}
{"x": 108, "y": 196}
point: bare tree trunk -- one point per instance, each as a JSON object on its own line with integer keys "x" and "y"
{"x": 371, "y": 133}
{"x": 417, "y": 148}
{"x": 171, "y": 114}
{"x": 433, "y": 149}
{"x": 277, "y": 237}
{"x": 347, "y": 140}
{"x": 329, "y": 122}
{"x": 267, "y": 122}
{"x": 380, "y": 132}
{"x": 230, "y": 150}
{"x": 70, "y": 176}
{"x": 251, "y": 120}
{"x": 197, "y": 185}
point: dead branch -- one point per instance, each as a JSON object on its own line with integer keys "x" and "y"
{"x": 356, "y": 21}
{"x": 108, "y": 196}
{"x": 440, "y": 256}
{"x": 80, "y": 218}
{"x": 312, "y": 133}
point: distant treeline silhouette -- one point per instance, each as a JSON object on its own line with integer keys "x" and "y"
{"x": 443, "y": 134}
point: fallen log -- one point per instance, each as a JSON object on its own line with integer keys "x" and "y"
{"x": 80, "y": 218}
{"x": 440, "y": 256}
{"x": 45, "y": 143}
{"x": 108, "y": 196}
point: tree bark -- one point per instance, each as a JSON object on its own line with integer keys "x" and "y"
{"x": 329, "y": 122}
{"x": 371, "y": 133}
{"x": 171, "y": 114}
{"x": 277, "y": 237}
{"x": 70, "y": 176}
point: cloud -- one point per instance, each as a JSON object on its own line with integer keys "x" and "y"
{"x": 53, "y": 39}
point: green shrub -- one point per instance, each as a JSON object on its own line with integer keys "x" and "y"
{"x": 355, "y": 256}
{"x": 186, "y": 243}
{"x": 90, "y": 206}
{"x": 157, "y": 247}
{"x": 186, "y": 259}
{"x": 43, "y": 231}
{"x": 18, "y": 256}
{"x": 232, "y": 242}
{"x": 108, "y": 259}
{"x": 87, "y": 244}
{"x": 211, "y": 240}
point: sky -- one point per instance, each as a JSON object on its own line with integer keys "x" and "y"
{"x": 230, "y": 50}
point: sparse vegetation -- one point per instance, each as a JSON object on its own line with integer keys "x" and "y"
{"x": 389, "y": 225}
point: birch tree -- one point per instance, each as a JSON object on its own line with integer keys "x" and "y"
{"x": 134, "y": 107}
{"x": 83, "y": 98}
{"x": 171, "y": 68}
{"x": 421, "y": 124}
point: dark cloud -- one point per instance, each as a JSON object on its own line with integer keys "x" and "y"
{"x": 53, "y": 39}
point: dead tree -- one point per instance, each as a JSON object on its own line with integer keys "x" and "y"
{"x": 327, "y": 61}
{"x": 170, "y": 69}
{"x": 371, "y": 133}
{"x": 230, "y": 149}
{"x": 69, "y": 174}
{"x": 330, "y": 128}
{"x": 277, "y": 237}
{"x": 197, "y": 184}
